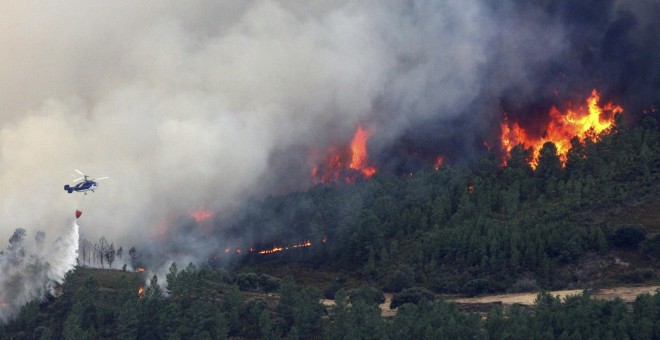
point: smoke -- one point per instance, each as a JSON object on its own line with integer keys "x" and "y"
{"x": 203, "y": 104}
{"x": 29, "y": 271}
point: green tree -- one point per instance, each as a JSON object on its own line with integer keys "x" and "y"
{"x": 307, "y": 313}
{"x": 369, "y": 295}
{"x": 72, "y": 326}
{"x": 233, "y": 307}
{"x": 339, "y": 325}
{"x": 127, "y": 322}
{"x": 171, "y": 278}
{"x": 288, "y": 300}
{"x": 110, "y": 255}
{"x": 549, "y": 167}
{"x": 576, "y": 158}
{"x": 628, "y": 236}
{"x": 411, "y": 295}
{"x": 247, "y": 281}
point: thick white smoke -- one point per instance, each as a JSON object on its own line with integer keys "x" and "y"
{"x": 28, "y": 271}
{"x": 183, "y": 104}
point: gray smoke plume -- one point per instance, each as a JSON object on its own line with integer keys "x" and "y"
{"x": 29, "y": 271}
{"x": 201, "y": 104}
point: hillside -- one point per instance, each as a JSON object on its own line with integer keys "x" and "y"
{"x": 453, "y": 232}
{"x": 483, "y": 228}
{"x": 209, "y": 304}
{"x": 86, "y": 294}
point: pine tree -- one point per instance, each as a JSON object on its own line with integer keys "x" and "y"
{"x": 171, "y": 278}
{"x": 128, "y": 323}
{"x": 110, "y": 255}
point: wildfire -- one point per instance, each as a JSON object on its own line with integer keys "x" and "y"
{"x": 359, "y": 153}
{"x": 277, "y": 248}
{"x": 140, "y": 269}
{"x": 438, "y": 162}
{"x": 229, "y": 250}
{"x": 334, "y": 163}
{"x": 141, "y": 292}
{"x": 201, "y": 215}
{"x": 584, "y": 122}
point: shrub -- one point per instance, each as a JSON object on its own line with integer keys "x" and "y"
{"x": 247, "y": 281}
{"x": 368, "y": 295}
{"x": 476, "y": 287}
{"x": 524, "y": 285}
{"x": 402, "y": 277}
{"x": 329, "y": 293}
{"x": 628, "y": 236}
{"x": 651, "y": 247}
{"x": 637, "y": 275}
{"x": 411, "y": 295}
{"x": 268, "y": 283}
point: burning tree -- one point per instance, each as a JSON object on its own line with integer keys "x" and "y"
{"x": 584, "y": 122}
{"x": 346, "y": 163}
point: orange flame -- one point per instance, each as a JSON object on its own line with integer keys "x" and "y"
{"x": 330, "y": 167}
{"x": 359, "y": 153}
{"x": 201, "y": 215}
{"x": 585, "y": 122}
{"x": 140, "y": 269}
{"x": 141, "y": 292}
{"x": 438, "y": 162}
{"x": 278, "y": 248}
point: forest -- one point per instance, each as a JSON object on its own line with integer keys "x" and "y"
{"x": 481, "y": 227}
{"x": 203, "y": 303}
{"x": 471, "y": 229}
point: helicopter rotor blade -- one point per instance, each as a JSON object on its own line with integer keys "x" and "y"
{"x": 80, "y": 172}
{"x": 101, "y": 178}
{"x": 78, "y": 179}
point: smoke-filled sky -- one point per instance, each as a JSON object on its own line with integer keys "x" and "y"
{"x": 200, "y": 104}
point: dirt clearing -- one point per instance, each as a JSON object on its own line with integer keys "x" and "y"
{"x": 627, "y": 294}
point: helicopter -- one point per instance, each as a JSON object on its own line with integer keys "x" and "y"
{"x": 87, "y": 183}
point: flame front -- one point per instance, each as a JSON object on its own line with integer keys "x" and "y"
{"x": 278, "y": 248}
{"x": 332, "y": 166}
{"x": 585, "y": 122}
{"x": 359, "y": 153}
{"x": 141, "y": 292}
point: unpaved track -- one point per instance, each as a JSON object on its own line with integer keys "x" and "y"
{"x": 627, "y": 294}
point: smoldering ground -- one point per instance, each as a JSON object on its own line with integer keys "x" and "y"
{"x": 193, "y": 105}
